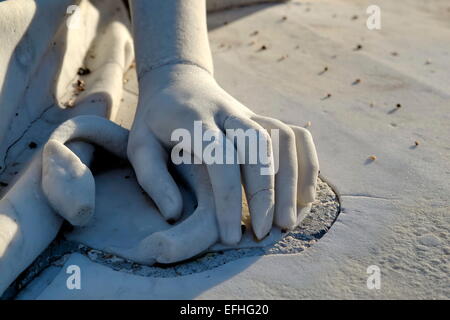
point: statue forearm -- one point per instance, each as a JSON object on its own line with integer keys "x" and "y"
{"x": 27, "y": 224}
{"x": 170, "y": 32}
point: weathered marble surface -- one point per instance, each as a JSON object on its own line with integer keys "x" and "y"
{"x": 395, "y": 209}
{"x": 38, "y": 82}
{"x": 100, "y": 47}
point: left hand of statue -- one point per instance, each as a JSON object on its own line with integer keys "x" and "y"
{"x": 174, "y": 97}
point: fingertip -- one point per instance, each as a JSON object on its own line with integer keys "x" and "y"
{"x": 261, "y": 207}
{"x": 162, "y": 247}
{"x": 263, "y": 231}
{"x": 227, "y": 189}
{"x": 308, "y": 165}
{"x": 154, "y": 177}
{"x": 169, "y": 202}
{"x": 302, "y": 211}
{"x": 230, "y": 235}
{"x": 307, "y": 193}
{"x": 287, "y": 219}
{"x": 229, "y": 220}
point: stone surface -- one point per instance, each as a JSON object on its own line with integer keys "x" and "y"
{"x": 395, "y": 209}
{"x": 58, "y": 256}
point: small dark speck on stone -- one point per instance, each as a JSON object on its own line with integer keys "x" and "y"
{"x": 127, "y": 177}
{"x": 17, "y": 114}
{"x": 263, "y": 47}
{"x": 325, "y": 69}
{"x": 327, "y": 96}
{"x": 358, "y": 47}
{"x": 397, "y": 107}
{"x": 83, "y": 71}
{"x": 32, "y": 145}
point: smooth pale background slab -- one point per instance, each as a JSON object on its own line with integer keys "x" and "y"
{"x": 395, "y": 209}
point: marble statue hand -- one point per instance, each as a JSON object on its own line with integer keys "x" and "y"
{"x": 195, "y": 233}
{"x": 67, "y": 182}
{"x": 186, "y": 93}
{"x": 56, "y": 180}
{"x": 176, "y": 89}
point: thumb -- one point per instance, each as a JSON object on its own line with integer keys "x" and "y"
{"x": 67, "y": 183}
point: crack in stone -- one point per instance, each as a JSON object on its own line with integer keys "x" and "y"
{"x": 255, "y": 193}
{"x": 30, "y": 125}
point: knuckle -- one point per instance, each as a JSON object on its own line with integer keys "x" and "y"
{"x": 287, "y": 134}
{"x": 131, "y": 147}
{"x": 264, "y": 135}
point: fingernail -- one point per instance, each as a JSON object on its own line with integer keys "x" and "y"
{"x": 262, "y": 209}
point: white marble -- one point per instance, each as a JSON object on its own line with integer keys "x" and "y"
{"x": 36, "y": 97}
{"x": 395, "y": 209}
